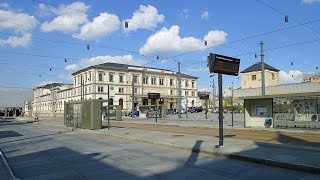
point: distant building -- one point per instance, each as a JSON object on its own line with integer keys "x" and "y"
{"x": 92, "y": 83}
{"x": 251, "y": 77}
{"x": 311, "y": 78}
{"x": 12, "y": 100}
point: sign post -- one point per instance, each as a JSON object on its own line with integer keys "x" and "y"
{"x": 222, "y": 65}
{"x": 155, "y": 96}
{"x": 204, "y": 96}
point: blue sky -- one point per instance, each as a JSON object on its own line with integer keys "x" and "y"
{"x": 38, "y": 35}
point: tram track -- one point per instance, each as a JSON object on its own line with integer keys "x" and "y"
{"x": 268, "y": 136}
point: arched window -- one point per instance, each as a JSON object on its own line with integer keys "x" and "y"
{"x": 111, "y": 101}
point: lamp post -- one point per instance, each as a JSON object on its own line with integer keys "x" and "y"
{"x": 213, "y": 94}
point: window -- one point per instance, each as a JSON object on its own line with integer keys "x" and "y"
{"x": 86, "y": 77}
{"x": 100, "y": 88}
{"x": 121, "y": 89}
{"x": 253, "y": 77}
{"x": 171, "y": 82}
{"x": 161, "y": 81}
{"x": 89, "y": 76}
{"x": 186, "y": 84}
{"x": 121, "y": 78}
{"x": 171, "y": 92}
{"x": 193, "y": 94}
{"x": 100, "y": 76}
{"x": 145, "y": 80}
{"x": 272, "y": 75}
{"x": 135, "y": 79}
{"x": 153, "y": 80}
{"x": 135, "y": 90}
{"x": 192, "y": 84}
{"x": 75, "y": 81}
{"x": 186, "y": 93}
{"x": 110, "y": 77}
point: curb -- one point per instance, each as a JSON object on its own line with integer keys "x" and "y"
{"x": 268, "y": 162}
{"x": 7, "y": 166}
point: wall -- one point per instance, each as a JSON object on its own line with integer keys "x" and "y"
{"x": 247, "y": 82}
{"x": 252, "y": 119}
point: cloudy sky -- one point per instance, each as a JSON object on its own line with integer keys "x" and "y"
{"x": 45, "y": 41}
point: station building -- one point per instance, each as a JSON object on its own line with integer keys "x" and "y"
{"x": 92, "y": 83}
{"x": 12, "y": 101}
{"x": 288, "y": 105}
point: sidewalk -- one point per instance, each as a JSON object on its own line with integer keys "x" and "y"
{"x": 294, "y": 157}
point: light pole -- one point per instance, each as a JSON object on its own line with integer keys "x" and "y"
{"x": 213, "y": 94}
{"x": 232, "y": 105}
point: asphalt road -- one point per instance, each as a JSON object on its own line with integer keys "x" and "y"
{"x": 36, "y": 151}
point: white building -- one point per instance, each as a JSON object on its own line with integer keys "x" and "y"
{"x": 92, "y": 83}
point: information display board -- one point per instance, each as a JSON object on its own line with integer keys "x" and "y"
{"x": 223, "y": 64}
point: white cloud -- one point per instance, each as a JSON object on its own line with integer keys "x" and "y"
{"x": 101, "y": 25}
{"x": 204, "y": 69}
{"x": 309, "y": 1}
{"x": 69, "y": 18}
{"x": 294, "y": 76}
{"x": 15, "y": 41}
{"x": 168, "y": 41}
{"x": 126, "y": 59}
{"x": 72, "y": 67}
{"x": 184, "y": 13}
{"x": 205, "y": 15}
{"x": 4, "y": 5}
{"x": 68, "y": 77}
{"x": 20, "y": 24}
{"x": 145, "y": 17}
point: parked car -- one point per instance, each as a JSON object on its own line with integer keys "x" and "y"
{"x": 169, "y": 111}
{"x": 135, "y": 114}
{"x": 196, "y": 109}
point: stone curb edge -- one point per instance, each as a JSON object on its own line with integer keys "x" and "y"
{"x": 268, "y": 162}
{"x": 7, "y": 166}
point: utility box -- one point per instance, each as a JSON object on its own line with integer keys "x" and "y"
{"x": 83, "y": 114}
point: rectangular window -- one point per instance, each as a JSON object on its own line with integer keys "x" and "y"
{"x": 89, "y": 76}
{"x": 161, "y": 81}
{"x": 253, "y": 77}
{"x": 121, "y": 89}
{"x": 153, "y": 80}
{"x": 121, "y": 78}
{"x": 145, "y": 80}
{"x": 193, "y": 93}
{"x": 135, "y": 90}
{"x": 186, "y": 93}
{"x": 192, "y": 84}
{"x": 171, "y": 92}
{"x": 272, "y": 76}
{"x": 110, "y": 77}
{"x": 135, "y": 79}
{"x": 100, "y": 88}
{"x": 171, "y": 82}
{"x": 86, "y": 76}
{"x": 100, "y": 76}
{"x": 75, "y": 81}
{"x": 186, "y": 84}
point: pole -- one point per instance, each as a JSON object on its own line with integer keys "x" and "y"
{"x": 220, "y": 111}
{"x": 156, "y": 110}
{"x": 214, "y": 95}
{"x": 262, "y": 71}
{"x": 206, "y": 101}
{"x": 108, "y": 108}
{"x": 232, "y": 105}
{"x": 179, "y": 91}
{"x": 132, "y": 108}
{"x": 186, "y": 107}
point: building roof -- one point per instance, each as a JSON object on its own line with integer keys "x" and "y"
{"x": 52, "y": 85}
{"x": 125, "y": 67}
{"x": 257, "y": 67}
